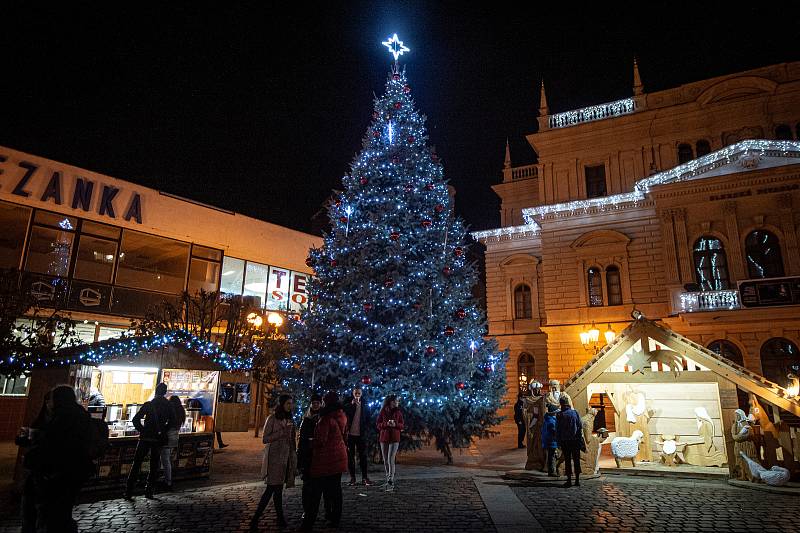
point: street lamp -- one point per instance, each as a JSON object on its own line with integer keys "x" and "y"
{"x": 275, "y": 320}
{"x": 591, "y": 337}
{"x": 255, "y": 319}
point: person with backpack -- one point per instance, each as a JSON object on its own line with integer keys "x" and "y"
{"x": 61, "y": 460}
{"x": 172, "y": 440}
{"x": 158, "y": 416}
{"x": 390, "y": 424}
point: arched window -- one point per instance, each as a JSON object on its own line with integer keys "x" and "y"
{"x": 613, "y": 285}
{"x": 522, "y": 302}
{"x": 702, "y": 147}
{"x": 763, "y": 253}
{"x": 710, "y": 264}
{"x": 594, "y": 279}
{"x": 728, "y": 350}
{"x": 783, "y": 132}
{"x": 526, "y": 366}
{"x": 685, "y": 153}
{"x": 779, "y": 357}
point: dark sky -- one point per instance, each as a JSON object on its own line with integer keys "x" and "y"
{"x": 261, "y": 112}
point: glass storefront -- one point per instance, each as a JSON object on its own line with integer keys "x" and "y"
{"x": 14, "y": 221}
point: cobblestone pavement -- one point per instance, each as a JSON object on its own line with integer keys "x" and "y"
{"x": 657, "y": 505}
{"x": 435, "y": 505}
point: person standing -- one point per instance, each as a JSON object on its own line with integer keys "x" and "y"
{"x": 279, "y": 461}
{"x": 569, "y": 434}
{"x": 305, "y": 450}
{"x": 158, "y": 415}
{"x": 519, "y": 420}
{"x": 29, "y": 439}
{"x": 328, "y": 461}
{"x": 172, "y": 440}
{"x": 357, "y": 420}
{"x": 390, "y": 424}
{"x": 549, "y": 442}
{"x": 61, "y": 461}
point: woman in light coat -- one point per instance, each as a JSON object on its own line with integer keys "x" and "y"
{"x": 280, "y": 459}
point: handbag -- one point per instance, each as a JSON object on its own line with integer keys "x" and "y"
{"x": 265, "y": 462}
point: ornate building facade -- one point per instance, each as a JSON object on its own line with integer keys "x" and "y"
{"x": 680, "y": 204}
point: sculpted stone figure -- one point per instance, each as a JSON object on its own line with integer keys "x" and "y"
{"x": 534, "y": 409}
{"x": 743, "y": 443}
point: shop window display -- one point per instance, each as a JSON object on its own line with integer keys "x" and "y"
{"x": 232, "y": 275}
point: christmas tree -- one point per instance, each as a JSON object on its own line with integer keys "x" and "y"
{"x": 391, "y": 305}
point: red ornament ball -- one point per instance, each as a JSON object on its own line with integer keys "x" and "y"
{"x": 430, "y": 186}
{"x": 407, "y": 89}
{"x": 388, "y": 282}
{"x": 435, "y": 158}
{"x": 461, "y": 313}
{"x": 363, "y": 181}
{"x": 449, "y": 331}
{"x": 396, "y": 77}
{"x": 334, "y": 262}
{"x": 375, "y": 115}
{"x": 411, "y": 139}
{"x": 366, "y": 380}
{"x": 459, "y": 251}
{"x": 426, "y": 223}
{"x": 460, "y": 385}
{"x": 309, "y": 262}
{"x": 446, "y": 271}
{"x": 376, "y": 134}
{"x": 398, "y": 105}
{"x": 487, "y": 369}
{"x": 430, "y": 350}
{"x": 408, "y": 187}
{"x": 343, "y": 219}
{"x": 418, "y": 306}
{"x": 338, "y": 203}
{"x": 395, "y": 160}
{"x": 394, "y": 235}
{"x": 439, "y": 208}
{"x": 368, "y": 307}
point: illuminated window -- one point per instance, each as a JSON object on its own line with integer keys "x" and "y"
{"x": 595, "y": 181}
{"x": 232, "y": 275}
{"x": 710, "y": 264}
{"x": 526, "y": 366}
{"x": 13, "y": 386}
{"x": 613, "y": 285}
{"x": 763, "y": 255}
{"x": 779, "y": 357}
{"x": 685, "y": 153}
{"x": 702, "y": 147}
{"x": 594, "y": 280}
{"x": 152, "y": 263}
{"x": 522, "y": 302}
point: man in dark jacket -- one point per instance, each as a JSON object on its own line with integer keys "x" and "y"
{"x": 569, "y": 435}
{"x": 60, "y": 459}
{"x": 305, "y": 450}
{"x": 358, "y": 420}
{"x": 158, "y": 416}
{"x": 519, "y": 420}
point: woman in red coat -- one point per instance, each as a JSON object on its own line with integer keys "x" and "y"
{"x": 390, "y": 424}
{"x": 328, "y": 461}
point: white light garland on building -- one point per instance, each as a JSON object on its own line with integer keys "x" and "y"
{"x": 592, "y": 113}
{"x": 508, "y": 230}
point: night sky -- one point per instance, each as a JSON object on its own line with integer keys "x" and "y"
{"x": 262, "y": 112}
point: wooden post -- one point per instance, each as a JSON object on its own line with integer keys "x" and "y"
{"x": 728, "y": 402}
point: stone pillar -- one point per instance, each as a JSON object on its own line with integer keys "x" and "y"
{"x": 734, "y": 251}
{"x": 670, "y": 261}
{"x": 792, "y": 261}
{"x": 681, "y": 242}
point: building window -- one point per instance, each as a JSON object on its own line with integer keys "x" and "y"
{"x": 763, "y": 253}
{"x": 783, "y": 132}
{"x": 595, "y": 181}
{"x": 710, "y": 264}
{"x": 522, "y": 302}
{"x": 204, "y": 269}
{"x": 613, "y": 285}
{"x": 50, "y": 245}
{"x": 152, "y": 263}
{"x": 232, "y": 275}
{"x": 255, "y": 282}
{"x": 13, "y": 386}
{"x": 14, "y": 221}
{"x": 526, "y": 366}
{"x": 594, "y": 280}
{"x": 685, "y": 153}
{"x": 702, "y": 147}
{"x": 728, "y": 350}
{"x": 779, "y": 357}
{"x": 95, "y": 260}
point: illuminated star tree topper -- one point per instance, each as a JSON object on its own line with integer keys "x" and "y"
{"x": 395, "y": 46}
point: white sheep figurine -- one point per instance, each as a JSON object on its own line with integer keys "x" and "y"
{"x": 775, "y": 476}
{"x": 626, "y": 447}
